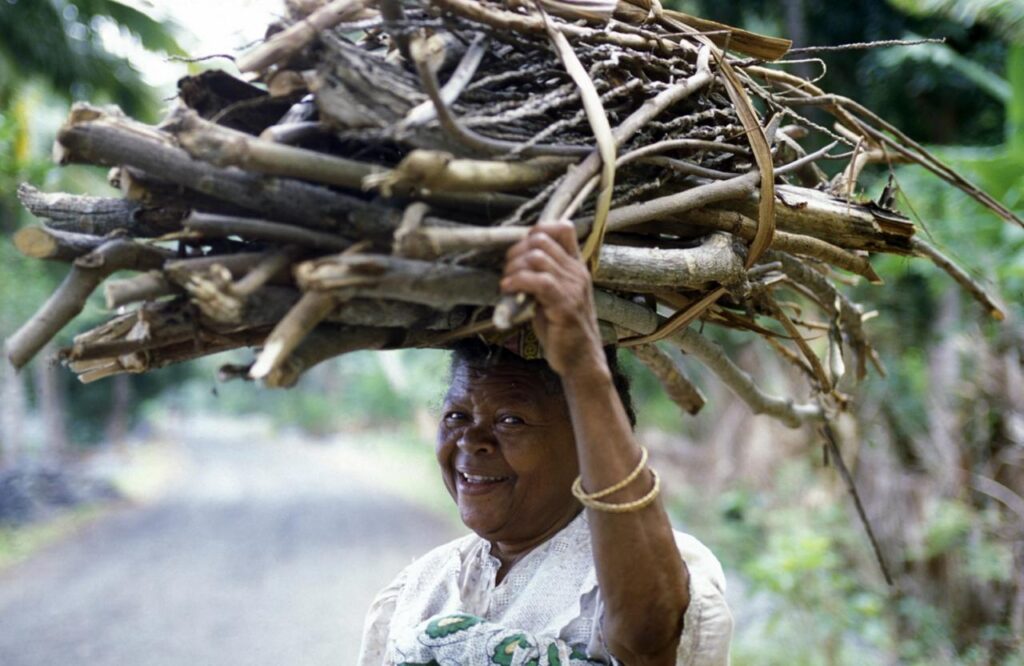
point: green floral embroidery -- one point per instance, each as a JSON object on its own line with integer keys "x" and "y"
{"x": 553, "y": 658}
{"x": 507, "y": 649}
{"x": 450, "y": 624}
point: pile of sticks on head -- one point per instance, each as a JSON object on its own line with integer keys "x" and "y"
{"x": 358, "y": 187}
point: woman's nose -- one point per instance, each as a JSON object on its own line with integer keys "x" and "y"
{"x": 477, "y": 439}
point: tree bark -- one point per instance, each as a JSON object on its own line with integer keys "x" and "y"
{"x": 98, "y": 216}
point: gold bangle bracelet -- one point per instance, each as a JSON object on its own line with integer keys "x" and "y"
{"x": 580, "y": 494}
{"x": 625, "y": 507}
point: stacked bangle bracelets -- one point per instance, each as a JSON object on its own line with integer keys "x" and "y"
{"x": 592, "y": 500}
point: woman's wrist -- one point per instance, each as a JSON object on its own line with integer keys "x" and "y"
{"x": 588, "y": 377}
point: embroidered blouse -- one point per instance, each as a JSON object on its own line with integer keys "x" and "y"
{"x": 446, "y": 609}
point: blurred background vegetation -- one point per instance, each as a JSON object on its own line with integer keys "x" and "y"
{"x": 936, "y": 444}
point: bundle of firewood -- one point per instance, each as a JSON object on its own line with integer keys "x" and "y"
{"x": 358, "y": 188}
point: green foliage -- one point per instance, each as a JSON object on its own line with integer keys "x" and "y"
{"x": 925, "y": 99}
{"x": 1005, "y": 16}
{"x": 805, "y": 600}
{"x": 61, "y": 42}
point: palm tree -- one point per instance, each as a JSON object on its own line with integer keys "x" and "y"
{"x": 60, "y": 43}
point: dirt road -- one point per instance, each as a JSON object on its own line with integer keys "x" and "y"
{"x": 261, "y": 553}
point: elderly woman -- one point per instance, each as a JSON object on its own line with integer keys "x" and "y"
{"x": 571, "y": 559}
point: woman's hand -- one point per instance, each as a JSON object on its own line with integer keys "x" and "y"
{"x": 547, "y": 266}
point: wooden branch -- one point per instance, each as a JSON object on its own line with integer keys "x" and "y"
{"x": 153, "y": 359}
{"x": 396, "y": 314}
{"x": 224, "y": 147}
{"x": 323, "y": 343}
{"x": 442, "y": 286}
{"x": 44, "y": 243}
{"x": 469, "y": 138}
{"x": 269, "y": 267}
{"x": 97, "y": 216}
{"x": 238, "y": 264}
{"x": 834, "y": 302}
{"x": 675, "y": 382}
{"x": 144, "y": 287}
{"x": 534, "y": 24}
{"x": 742, "y": 384}
{"x": 426, "y": 111}
{"x": 560, "y": 200}
{"x": 745, "y": 228}
{"x": 850, "y": 225}
{"x": 821, "y": 377}
{"x": 293, "y": 39}
{"x": 645, "y": 270}
{"x": 672, "y": 205}
{"x": 87, "y": 272}
{"x": 94, "y": 136}
{"x": 440, "y": 171}
{"x": 434, "y": 242}
{"x": 311, "y": 309}
{"x": 972, "y": 286}
{"x": 222, "y": 226}
{"x": 641, "y": 269}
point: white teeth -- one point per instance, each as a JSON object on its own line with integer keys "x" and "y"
{"x": 472, "y": 478}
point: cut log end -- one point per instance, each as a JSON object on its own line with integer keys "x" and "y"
{"x": 35, "y": 242}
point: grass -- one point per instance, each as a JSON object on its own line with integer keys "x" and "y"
{"x": 17, "y": 544}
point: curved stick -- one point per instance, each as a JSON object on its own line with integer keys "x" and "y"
{"x": 86, "y": 274}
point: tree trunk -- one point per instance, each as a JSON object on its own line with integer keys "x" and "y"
{"x": 12, "y": 415}
{"x": 52, "y": 411}
{"x": 120, "y": 412}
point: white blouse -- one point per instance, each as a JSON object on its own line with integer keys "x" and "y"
{"x": 547, "y": 610}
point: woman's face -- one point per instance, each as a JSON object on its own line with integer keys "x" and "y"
{"x": 507, "y": 453}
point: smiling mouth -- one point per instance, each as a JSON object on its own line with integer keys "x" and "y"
{"x": 479, "y": 481}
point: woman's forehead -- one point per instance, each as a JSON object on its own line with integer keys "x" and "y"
{"x": 504, "y": 379}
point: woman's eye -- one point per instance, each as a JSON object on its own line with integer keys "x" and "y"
{"x": 510, "y": 419}
{"x": 454, "y": 416}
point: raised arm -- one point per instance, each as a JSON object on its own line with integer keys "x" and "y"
{"x": 642, "y": 578}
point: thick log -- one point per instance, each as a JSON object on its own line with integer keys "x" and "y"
{"x": 847, "y": 224}
{"x": 50, "y": 244}
{"x": 646, "y": 270}
{"x": 97, "y": 216}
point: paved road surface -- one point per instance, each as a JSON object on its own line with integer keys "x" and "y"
{"x": 261, "y": 554}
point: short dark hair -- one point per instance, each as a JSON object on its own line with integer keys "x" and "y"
{"x": 476, "y": 353}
